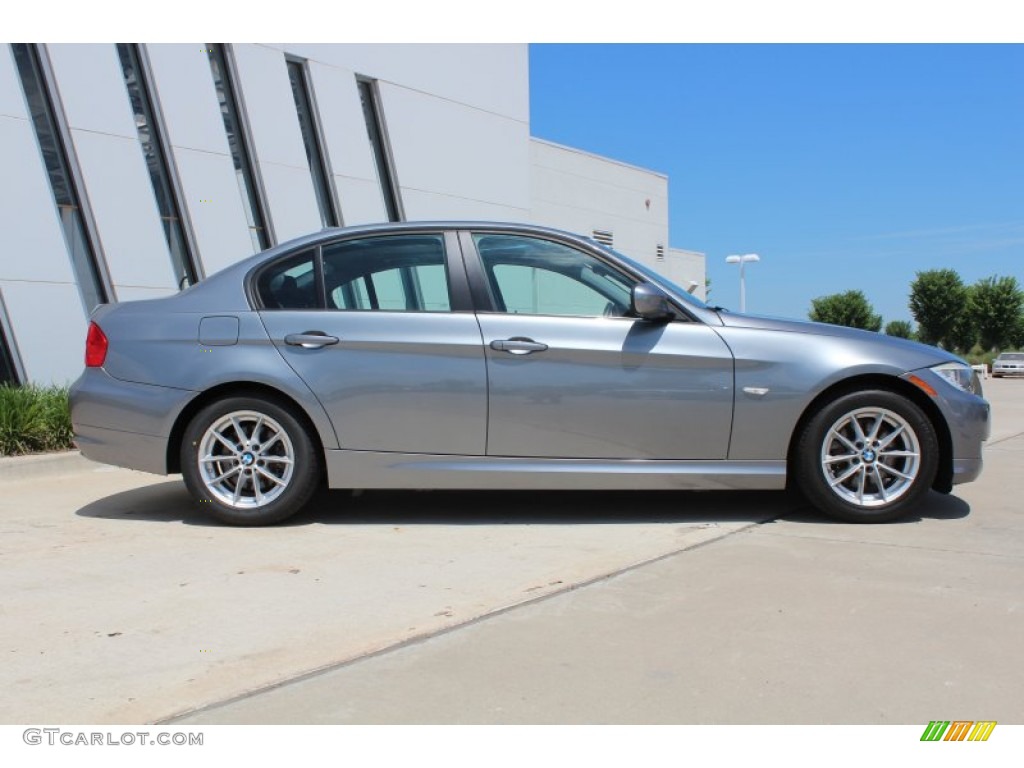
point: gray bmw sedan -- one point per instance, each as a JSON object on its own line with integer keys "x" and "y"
{"x": 500, "y": 356}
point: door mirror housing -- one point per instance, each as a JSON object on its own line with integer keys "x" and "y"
{"x": 651, "y": 303}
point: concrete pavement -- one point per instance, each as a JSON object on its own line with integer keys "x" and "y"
{"x": 122, "y": 604}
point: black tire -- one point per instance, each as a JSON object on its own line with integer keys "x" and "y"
{"x": 269, "y": 474}
{"x": 867, "y": 457}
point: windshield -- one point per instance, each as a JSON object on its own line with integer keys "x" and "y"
{"x": 655, "y": 277}
{"x": 1012, "y": 356}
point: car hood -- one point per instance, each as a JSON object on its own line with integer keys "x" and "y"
{"x": 928, "y": 355}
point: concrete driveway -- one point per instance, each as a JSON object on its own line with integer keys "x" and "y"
{"x": 122, "y": 604}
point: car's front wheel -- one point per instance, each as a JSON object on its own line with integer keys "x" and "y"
{"x": 249, "y": 461}
{"x": 867, "y": 457}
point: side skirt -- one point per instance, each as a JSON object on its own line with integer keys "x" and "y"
{"x": 369, "y": 469}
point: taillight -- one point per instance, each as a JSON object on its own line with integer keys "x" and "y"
{"x": 95, "y": 347}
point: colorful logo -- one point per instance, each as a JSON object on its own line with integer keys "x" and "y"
{"x": 958, "y": 730}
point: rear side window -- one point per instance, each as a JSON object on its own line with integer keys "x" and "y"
{"x": 400, "y": 273}
{"x": 289, "y": 284}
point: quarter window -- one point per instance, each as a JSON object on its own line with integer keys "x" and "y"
{"x": 290, "y": 284}
{"x": 404, "y": 273}
{"x": 529, "y": 276}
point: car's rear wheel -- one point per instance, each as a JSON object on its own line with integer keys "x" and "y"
{"x": 867, "y": 457}
{"x": 249, "y": 461}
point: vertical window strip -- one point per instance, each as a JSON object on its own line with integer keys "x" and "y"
{"x": 380, "y": 148}
{"x": 62, "y": 173}
{"x": 151, "y": 138}
{"x": 311, "y": 138}
{"x": 10, "y": 370}
{"x": 236, "y": 128}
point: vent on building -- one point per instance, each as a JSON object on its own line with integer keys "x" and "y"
{"x": 659, "y": 252}
{"x": 604, "y": 237}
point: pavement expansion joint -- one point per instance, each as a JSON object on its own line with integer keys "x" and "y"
{"x": 425, "y": 636}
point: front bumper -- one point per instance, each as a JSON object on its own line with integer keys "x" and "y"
{"x": 969, "y": 419}
{"x": 124, "y": 423}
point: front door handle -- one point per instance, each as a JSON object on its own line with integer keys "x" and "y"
{"x": 310, "y": 339}
{"x": 518, "y": 345}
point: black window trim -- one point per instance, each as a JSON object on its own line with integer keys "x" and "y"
{"x": 99, "y": 269}
{"x": 224, "y": 56}
{"x": 191, "y": 262}
{"x": 10, "y": 350}
{"x": 480, "y": 286}
{"x": 459, "y": 297}
{"x": 383, "y": 156}
{"x": 320, "y": 166}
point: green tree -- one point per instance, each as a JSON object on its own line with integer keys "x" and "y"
{"x": 996, "y": 308}
{"x": 1017, "y": 341}
{"x": 851, "y": 309}
{"x": 963, "y": 336}
{"x": 900, "y": 328}
{"x": 937, "y": 299}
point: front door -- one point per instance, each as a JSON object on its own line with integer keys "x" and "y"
{"x": 571, "y": 375}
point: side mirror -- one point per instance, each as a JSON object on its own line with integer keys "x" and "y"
{"x": 651, "y": 303}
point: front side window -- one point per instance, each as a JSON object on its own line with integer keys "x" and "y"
{"x": 404, "y": 273}
{"x": 529, "y": 276}
{"x": 289, "y": 284}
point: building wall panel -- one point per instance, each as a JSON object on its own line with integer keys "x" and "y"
{"x": 49, "y": 327}
{"x": 266, "y": 92}
{"x": 448, "y": 148}
{"x": 121, "y": 195}
{"x": 35, "y": 248}
{"x": 214, "y": 201}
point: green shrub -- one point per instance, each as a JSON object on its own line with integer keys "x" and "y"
{"x": 34, "y": 419}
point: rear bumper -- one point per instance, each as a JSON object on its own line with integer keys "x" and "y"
{"x": 124, "y": 423}
{"x": 966, "y": 470}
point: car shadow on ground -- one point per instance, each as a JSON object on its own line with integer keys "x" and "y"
{"x": 170, "y": 502}
{"x": 936, "y": 506}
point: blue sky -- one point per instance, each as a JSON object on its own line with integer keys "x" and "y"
{"x": 843, "y": 166}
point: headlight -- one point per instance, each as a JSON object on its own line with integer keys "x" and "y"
{"x": 960, "y": 375}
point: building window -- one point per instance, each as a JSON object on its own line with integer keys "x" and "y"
{"x": 380, "y": 148}
{"x": 8, "y": 369}
{"x": 312, "y": 141}
{"x": 62, "y": 173}
{"x": 659, "y": 252}
{"x": 238, "y": 140}
{"x": 160, "y": 173}
{"x": 604, "y": 237}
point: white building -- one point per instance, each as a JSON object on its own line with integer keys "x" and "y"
{"x": 128, "y": 169}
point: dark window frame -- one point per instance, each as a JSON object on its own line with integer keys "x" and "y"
{"x": 459, "y": 296}
{"x": 222, "y": 66}
{"x": 175, "y": 220}
{"x": 12, "y": 371}
{"x": 380, "y": 147}
{"x": 479, "y": 282}
{"x": 50, "y": 127}
{"x": 312, "y": 134}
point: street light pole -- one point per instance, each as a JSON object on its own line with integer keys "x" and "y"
{"x": 742, "y": 261}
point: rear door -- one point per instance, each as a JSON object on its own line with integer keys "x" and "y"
{"x": 381, "y": 329}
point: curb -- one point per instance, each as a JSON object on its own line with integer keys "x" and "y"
{"x": 41, "y": 466}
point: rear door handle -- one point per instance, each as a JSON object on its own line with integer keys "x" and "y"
{"x": 518, "y": 345}
{"x": 310, "y": 339}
